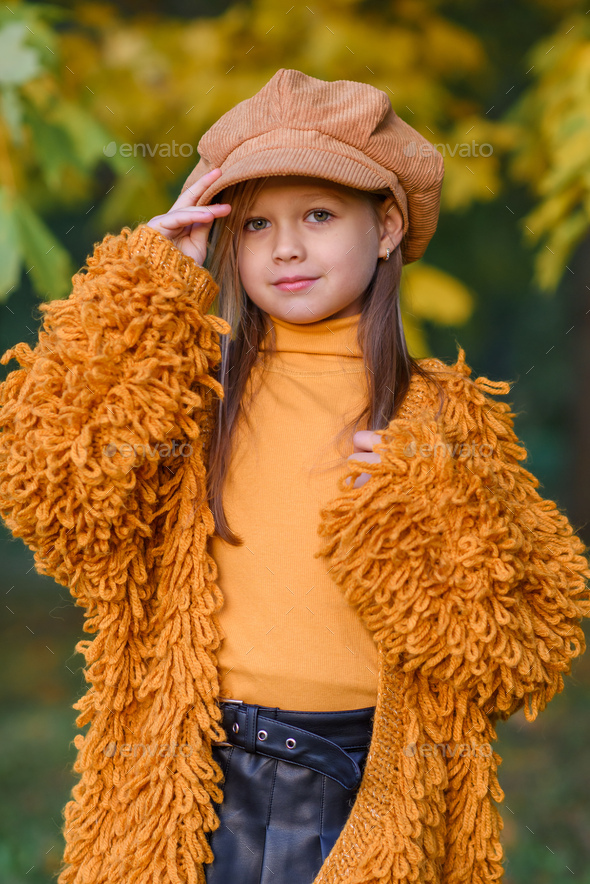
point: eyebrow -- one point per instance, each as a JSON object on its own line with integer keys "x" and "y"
{"x": 319, "y": 194}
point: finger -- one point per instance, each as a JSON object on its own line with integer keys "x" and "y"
{"x": 360, "y": 480}
{"x": 365, "y": 457}
{"x": 190, "y": 196}
{"x": 196, "y": 212}
{"x": 364, "y": 440}
{"x": 195, "y": 215}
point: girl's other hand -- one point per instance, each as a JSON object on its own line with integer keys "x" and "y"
{"x": 363, "y": 443}
{"x": 188, "y": 225}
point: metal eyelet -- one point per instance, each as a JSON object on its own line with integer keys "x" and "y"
{"x": 235, "y": 727}
{"x": 290, "y": 743}
{"x": 262, "y": 735}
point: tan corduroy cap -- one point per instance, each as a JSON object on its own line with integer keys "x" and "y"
{"x": 340, "y": 130}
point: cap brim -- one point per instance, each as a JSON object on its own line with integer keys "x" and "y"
{"x": 309, "y": 161}
{"x": 312, "y": 161}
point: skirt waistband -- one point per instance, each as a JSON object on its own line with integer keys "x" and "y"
{"x": 317, "y": 740}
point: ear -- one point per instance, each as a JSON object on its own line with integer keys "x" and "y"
{"x": 392, "y": 226}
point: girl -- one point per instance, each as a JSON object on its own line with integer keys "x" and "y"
{"x": 261, "y": 709}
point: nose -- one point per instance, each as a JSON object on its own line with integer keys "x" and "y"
{"x": 287, "y": 243}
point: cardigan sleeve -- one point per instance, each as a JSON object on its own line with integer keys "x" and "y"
{"x": 455, "y": 561}
{"x": 117, "y": 379}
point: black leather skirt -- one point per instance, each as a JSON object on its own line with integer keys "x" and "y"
{"x": 291, "y": 779}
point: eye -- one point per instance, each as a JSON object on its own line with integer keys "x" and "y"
{"x": 255, "y": 221}
{"x": 321, "y": 212}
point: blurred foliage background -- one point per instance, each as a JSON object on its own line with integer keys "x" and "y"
{"x": 101, "y": 110}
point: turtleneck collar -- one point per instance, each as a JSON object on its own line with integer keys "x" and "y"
{"x": 327, "y": 337}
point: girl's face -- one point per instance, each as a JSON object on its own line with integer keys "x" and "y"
{"x": 307, "y": 227}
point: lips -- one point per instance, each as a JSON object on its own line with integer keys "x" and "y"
{"x": 296, "y": 283}
{"x": 293, "y": 279}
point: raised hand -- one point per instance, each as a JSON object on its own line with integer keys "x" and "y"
{"x": 188, "y": 225}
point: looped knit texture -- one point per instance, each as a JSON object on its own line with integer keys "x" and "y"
{"x": 473, "y": 585}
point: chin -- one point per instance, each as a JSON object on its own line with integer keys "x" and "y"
{"x": 296, "y": 311}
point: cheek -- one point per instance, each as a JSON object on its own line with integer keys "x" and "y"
{"x": 246, "y": 262}
{"x": 355, "y": 250}
{"x": 251, "y": 269}
{"x": 354, "y": 262}
{"x": 250, "y": 248}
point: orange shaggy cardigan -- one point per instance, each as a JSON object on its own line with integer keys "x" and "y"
{"x": 472, "y": 584}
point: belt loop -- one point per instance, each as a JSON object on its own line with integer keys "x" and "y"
{"x": 250, "y": 735}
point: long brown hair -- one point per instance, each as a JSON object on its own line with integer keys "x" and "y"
{"x": 380, "y": 337}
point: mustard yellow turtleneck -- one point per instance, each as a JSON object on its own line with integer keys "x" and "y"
{"x": 291, "y": 639}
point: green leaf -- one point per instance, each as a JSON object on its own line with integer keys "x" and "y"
{"x": 10, "y": 250}
{"x": 12, "y": 111}
{"x": 89, "y": 137}
{"x": 52, "y": 144}
{"x": 49, "y": 264}
{"x": 18, "y": 63}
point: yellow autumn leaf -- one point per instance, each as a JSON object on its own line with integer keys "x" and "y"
{"x": 553, "y": 257}
{"x": 570, "y": 157}
{"x": 549, "y": 213}
{"x": 553, "y": 156}
{"x": 430, "y": 293}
